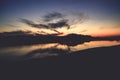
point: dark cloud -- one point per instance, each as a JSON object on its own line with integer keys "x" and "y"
{"x": 13, "y": 25}
{"x": 52, "y": 16}
{"x": 42, "y": 26}
{"x": 32, "y": 24}
{"x": 59, "y": 24}
{"x": 56, "y": 20}
{"x": 14, "y": 33}
{"x": 51, "y": 26}
{"x": 28, "y": 22}
{"x": 56, "y": 31}
{"x": 43, "y": 32}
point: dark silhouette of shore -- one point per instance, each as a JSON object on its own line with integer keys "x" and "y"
{"x": 24, "y": 38}
{"x": 70, "y": 40}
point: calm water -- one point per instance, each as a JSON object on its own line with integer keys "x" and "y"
{"x": 44, "y": 50}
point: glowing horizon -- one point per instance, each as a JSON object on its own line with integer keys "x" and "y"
{"x": 101, "y": 17}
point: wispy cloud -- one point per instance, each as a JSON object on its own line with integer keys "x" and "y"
{"x": 117, "y": 26}
{"x": 52, "y": 16}
{"x": 13, "y": 33}
{"x": 32, "y": 24}
{"x": 79, "y": 18}
{"x": 85, "y": 30}
{"x": 59, "y": 24}
{"x": 56, "y": 20}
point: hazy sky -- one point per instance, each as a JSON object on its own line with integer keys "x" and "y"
{"x": 103, "y": 16}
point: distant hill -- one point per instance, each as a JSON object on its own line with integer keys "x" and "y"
{"x": 23, "y": 38}
{"x": 16, "y": 38}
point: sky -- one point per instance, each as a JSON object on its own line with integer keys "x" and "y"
{"x": 89, "y": 17}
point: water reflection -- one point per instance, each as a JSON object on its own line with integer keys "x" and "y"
{"x": 51, "y": 49}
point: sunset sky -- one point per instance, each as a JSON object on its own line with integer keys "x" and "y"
{"x": 89, "y": 17}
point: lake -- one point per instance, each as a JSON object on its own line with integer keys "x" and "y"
{"x": 17, "y": 53}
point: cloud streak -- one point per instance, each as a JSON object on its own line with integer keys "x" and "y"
{"x": 56, "y": 20}
{"x": 79, "y": 18}
{"x": 60, "y": 24}
{"x": 52, "y": 16}
{"x": 32, "y": 24}
{"x": 50, "y": 26}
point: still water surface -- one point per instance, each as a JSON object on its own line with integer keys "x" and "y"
{"x": 43, "y": 50}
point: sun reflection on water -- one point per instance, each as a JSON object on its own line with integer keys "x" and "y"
{"x": 51, "y": 49}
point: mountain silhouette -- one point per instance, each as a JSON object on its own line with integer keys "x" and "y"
{"x": 25, "y": 38}
{"x": 17, "y": 38}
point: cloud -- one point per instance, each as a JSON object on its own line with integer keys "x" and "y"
{"x": 14, "y": 33}
{"x": 59, "y": 24}
{"x": 32, "y": 24}
{"x": 56, "y": 20}
{"x": 28, "y": 22}
{"x": 52, "y": 16}
{"x": 13, "y": 25}
{"x": 82, "y": 17}
{"x": 79, "y": 18}
{"x": 85, "y": 30}
{"x": 50, "y": 26}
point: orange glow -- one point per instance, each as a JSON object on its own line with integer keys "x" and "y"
{"x": 93, "y": 28}
{"x": 105, "y": 34}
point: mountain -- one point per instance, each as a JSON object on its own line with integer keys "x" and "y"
{"x": 16, "y": 38}
{"x": 25, "y": 38}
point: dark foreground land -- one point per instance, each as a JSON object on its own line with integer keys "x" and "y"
{"x": 99, "y": 63}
